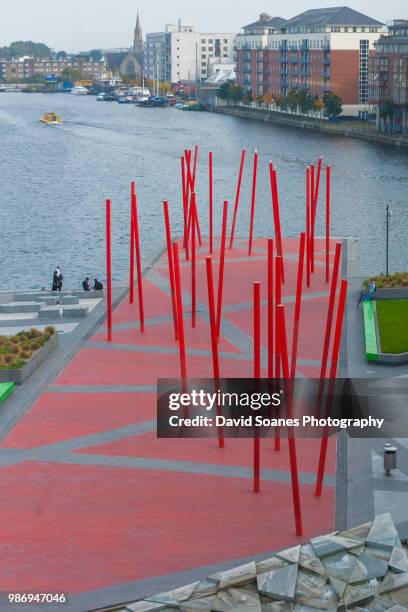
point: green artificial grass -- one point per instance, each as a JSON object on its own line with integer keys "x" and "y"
{"x": 393, "y": 324}
{"x": 5, "y": 390}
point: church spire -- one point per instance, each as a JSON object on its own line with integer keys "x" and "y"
{"x": 138, "y": 37}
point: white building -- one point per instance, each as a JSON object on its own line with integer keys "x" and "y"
{"x": 181, "y": 54}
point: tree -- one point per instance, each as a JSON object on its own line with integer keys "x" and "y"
{"x": 72, "y": 75}
{"x": 20, "y": 48}
{"x": 223, "y": 91}
{"x": 305, "y": 101}
{"x": 235, "y": 92}
{"x": 96, "y": 55}
{"x": 318, "y": 104}
{"x": 387, "y": 109}
{"x": 293, "y": 99}
{"x": 332, "y": 104}
{"x": 268, "y": 98}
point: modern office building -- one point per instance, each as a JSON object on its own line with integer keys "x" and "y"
{"x": 320, "y": 50}
{"x": 180, "y": 54}
{"x": 388, "y": 77}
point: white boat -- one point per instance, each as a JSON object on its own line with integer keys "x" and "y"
{"x": 100, "y": 97}
{"x": 79, "y": 91}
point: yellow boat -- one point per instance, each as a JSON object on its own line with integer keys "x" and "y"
{"x": 51, "y": 119}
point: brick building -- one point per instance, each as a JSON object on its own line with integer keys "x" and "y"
{"x": 25, "y": 68}
{"x": 388, "y": 78}
{"x": 318, "y": 51}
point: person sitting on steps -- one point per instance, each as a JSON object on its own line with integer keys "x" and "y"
{"x": 97, "y": 285}
{"x": 86, "y": 285}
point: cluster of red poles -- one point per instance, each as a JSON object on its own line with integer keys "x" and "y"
{"x": 278, "y": 364}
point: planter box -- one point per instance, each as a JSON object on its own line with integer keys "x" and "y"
{"x": 19, "y": 376}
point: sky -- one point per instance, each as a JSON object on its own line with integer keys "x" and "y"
{"x": 76, "y": 25}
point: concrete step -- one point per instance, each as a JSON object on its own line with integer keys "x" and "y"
{"x": 50, "y": 313}
{"x": 69, "y": 300}
{"x": 75, "y": 312}
{"x": 16, "y": 307}
{"x": 49, "y": 300}
{"x": 90, "y": 295}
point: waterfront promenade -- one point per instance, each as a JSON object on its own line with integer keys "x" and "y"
{"x": 94, "y": 505}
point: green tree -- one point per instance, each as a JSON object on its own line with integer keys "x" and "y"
{"x": 305, "y": 101}
{"x": 96, "y": 55}
{"x": 293, "y": 99}
{"x": 72, "y": 75}
{"x": 387, "y": 109}
{"x": 223, "y": 91}
{"x": 332, "y": 104}
{"x": 235, "y": 92}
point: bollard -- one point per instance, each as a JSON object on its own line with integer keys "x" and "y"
{"x": 390, "y": 458}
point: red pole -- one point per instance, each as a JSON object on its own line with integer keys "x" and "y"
{"x": 180, "y": 321}
{"x": 327, "y": 223}
{"x": 257, "y": 374}
{"x": 193, "y": 261}
{"x": 308, "y": 228}
{"x": 237, "y": 194}
{"x": 138, "y": 264}
{"x": 291, "y": 437}
{"x": 185, "y": 204}
{"x": 332, "y": 376}
{"x": 195, "y": 166}
{"x": 330, "y": 310}
{"x": 214, "y": 338}
{"x": 171, "y": 266}
{"x": 270, "y": 308}
{"x": 221, "y": 268}
{"x": 108, "y": 270}
{"x": 278, "y": 300}
{"x": 296, "y": 318}
{"x": 210, "y": 179}
{"x": 132, "y": 248}
{"x": 253, "y": 197}
{"x": 312, "y": 238}
{"x": 276, "y": 214}
{"x": 316, "y": 191}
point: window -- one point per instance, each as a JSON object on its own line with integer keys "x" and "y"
{"x": 203, "y": 56}
{"x": 204, "y": 63}
{"x": 225, "y": 41}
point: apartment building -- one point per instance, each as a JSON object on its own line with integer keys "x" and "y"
{"x": 388, "y": 75}
{"x": 181, "y": 54}
{"x": 25, "y": 68}
{"x": 319, "y": 50}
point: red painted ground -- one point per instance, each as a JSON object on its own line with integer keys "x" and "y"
{"x": 78, "y": 527}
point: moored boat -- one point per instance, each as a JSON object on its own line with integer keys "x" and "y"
{"x": 79, "y": 90}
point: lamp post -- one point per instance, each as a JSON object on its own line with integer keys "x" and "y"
{"x": 389, "y": 214}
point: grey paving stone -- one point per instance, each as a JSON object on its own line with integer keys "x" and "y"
{"x": 279, "y": 584}
{"x": 383, "y": 533}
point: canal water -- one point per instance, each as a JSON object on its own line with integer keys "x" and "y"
{"x": 54, "y": 181}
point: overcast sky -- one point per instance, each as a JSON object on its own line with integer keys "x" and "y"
{"x": 76, "y": 25}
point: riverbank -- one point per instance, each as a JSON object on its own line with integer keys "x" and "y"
{"x": 311, "y": 123}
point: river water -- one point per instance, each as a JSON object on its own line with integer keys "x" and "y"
{"x": 54, "y": 181}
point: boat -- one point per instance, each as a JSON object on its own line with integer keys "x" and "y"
{"x": 100, "y": 97}
{"x": 121, "y": 100}
{"x": 129, "y": 100}
{"x": 181, "y": 106}
{"x": 109, "y": 97}
{"x": 79, "y": 90}
{"x": 51, "y": 119}
{"x": 193, "y": 105}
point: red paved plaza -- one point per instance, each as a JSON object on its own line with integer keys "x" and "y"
{"x": 91, "y": 498}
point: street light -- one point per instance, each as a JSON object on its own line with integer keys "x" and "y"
{"x": 389, "y": 215}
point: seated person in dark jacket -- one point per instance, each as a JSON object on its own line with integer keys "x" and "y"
{"x": 85, "y": 284}
{"x": 97, "y": 285}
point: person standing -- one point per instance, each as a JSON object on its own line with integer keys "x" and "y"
{"x": 59, "y": 278}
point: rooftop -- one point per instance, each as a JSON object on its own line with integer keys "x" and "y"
{"x": 266, "y": 21}
{"x": 336, "y": 16}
